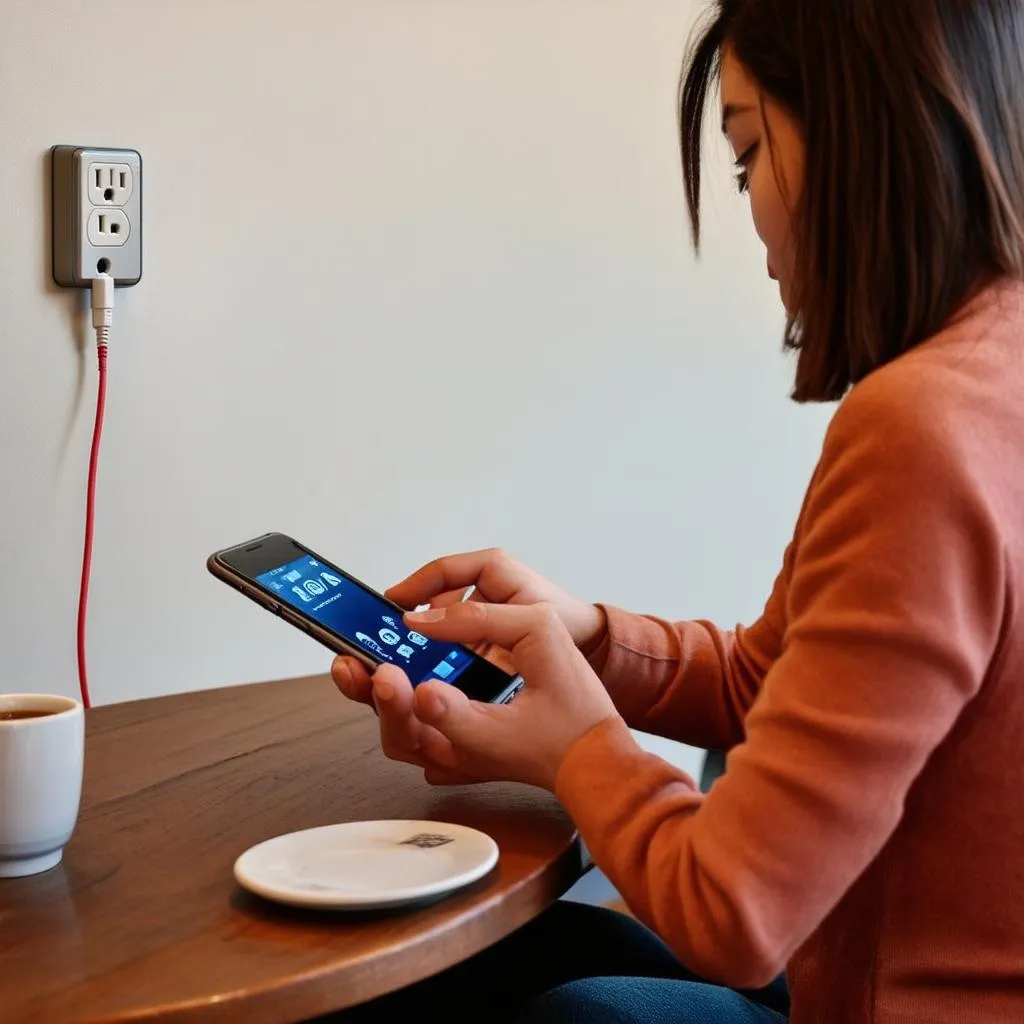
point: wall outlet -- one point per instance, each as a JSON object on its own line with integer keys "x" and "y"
{"x": 110, "y": 184}
{"x": 97, "y": 215}
{"x": 108, "y": 227}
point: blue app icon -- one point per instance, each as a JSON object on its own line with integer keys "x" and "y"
{"x": 454, "y": 656}
{"x": 444, "y": 670}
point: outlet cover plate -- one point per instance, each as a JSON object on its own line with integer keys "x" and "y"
{"x": 90, "y": 182}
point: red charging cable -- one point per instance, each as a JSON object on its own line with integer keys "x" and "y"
{"x": 102, "y": 308}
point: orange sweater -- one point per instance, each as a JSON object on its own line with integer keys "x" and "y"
{"x": 868, "y": 835}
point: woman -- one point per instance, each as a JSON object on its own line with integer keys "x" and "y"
{"x": 866, "y": 837}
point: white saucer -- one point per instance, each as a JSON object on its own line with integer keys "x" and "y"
{"x": 366, "y": 865}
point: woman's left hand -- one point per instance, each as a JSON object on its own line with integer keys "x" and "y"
{"x": 457, "y": 740}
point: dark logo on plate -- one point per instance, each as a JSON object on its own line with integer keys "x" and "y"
{"x": 427, "y": 841}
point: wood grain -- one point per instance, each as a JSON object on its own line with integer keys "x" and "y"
{"x": 143, "y": 920}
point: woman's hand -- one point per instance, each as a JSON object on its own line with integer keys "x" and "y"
{"x": 496, "y": 578}
{"x": 458, "y": 741}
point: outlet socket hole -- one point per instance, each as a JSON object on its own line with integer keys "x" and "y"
{"x": 108, "y": 194}
{"x": 103, "y": 265}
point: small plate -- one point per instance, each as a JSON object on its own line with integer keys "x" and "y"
{"x": 366, "y": 865}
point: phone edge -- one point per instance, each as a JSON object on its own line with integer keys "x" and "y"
{"x": 237, "y": 581}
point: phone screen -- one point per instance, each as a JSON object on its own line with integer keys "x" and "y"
{"x": 342, "y": 606}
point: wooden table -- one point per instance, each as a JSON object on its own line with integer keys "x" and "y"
{"x": 143, "y": 920}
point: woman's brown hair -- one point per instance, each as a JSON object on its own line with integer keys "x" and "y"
{"x": 912, "y": 112}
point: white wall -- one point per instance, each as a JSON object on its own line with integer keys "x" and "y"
{"x": 417, "y": 278}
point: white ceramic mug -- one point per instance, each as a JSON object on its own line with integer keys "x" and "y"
{"x": 41, "y": 762}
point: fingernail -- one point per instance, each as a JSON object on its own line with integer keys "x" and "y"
{"x": 430, "y": 615}
{"x": 383, "y": 689}
{"x": 438, "y": 705}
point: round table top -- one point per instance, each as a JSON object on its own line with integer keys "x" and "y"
{"x": 143, "y": 919}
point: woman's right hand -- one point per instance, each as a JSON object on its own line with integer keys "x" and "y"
{"x": 496, "y": 578}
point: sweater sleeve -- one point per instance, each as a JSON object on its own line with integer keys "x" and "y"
{"x": 895, "y": 608}
{"x": 689, "y": 681}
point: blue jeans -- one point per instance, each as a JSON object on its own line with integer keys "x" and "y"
{"x": 645, "y": 1001}
{"x": 575, "y": 964}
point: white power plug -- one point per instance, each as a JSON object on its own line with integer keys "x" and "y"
{"x": 97, "y": 215}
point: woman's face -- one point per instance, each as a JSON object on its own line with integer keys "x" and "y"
{"x": 771, "y": 171}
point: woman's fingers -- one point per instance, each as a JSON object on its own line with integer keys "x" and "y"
{"x": 400, "y": 732}
{"x": 352, "y": 678}
{"x": 452, "y": 597}
{"x": 492, "y": 653}
{"x": 443, "y": 777}
{"x": 494, "y": 571}
{"x": 505, "y": 626}
{"x": 403, "y": 737}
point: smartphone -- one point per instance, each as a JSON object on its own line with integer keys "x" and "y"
{"x": 347, "y": 616}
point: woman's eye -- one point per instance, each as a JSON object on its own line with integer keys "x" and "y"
{"x": 743, "y": 168}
